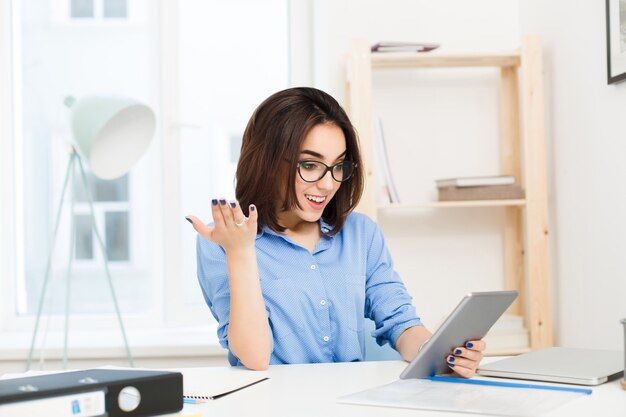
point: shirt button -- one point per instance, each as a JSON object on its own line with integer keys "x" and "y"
{"x": 326, "y": 338}
{"x": 323, "y": 302}
{"x": 313, "y": 266}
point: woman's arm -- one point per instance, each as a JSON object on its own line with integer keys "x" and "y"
{"x": 248, "y": 330}
{"x": 411, "y": 341}
{"x": 249, "y": 336}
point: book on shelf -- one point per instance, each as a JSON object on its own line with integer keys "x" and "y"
{"x": 388, "y": 192}
{"x": 507, "y": 336}
{"x": 488, "y": 192}
{"x": 404, "y": 46}
{"x": 476, "y": 181}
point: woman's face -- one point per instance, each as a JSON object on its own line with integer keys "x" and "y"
{"x": 324, "y": 143}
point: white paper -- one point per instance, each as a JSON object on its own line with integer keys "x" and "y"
{"x": 442, "y": 396}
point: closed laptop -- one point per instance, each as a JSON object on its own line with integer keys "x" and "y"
{"x": 558, "y": 364}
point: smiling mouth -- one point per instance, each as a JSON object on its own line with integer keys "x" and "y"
{"x": 315, "y": 198}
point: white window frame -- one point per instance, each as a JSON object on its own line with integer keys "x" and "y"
{"x": 7, "y": 187}
{"x": 174, "y": 313}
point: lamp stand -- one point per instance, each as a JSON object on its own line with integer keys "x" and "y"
{"x": 70, "y": 174}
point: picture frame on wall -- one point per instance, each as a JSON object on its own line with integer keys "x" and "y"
{"x": 616, "y": 40}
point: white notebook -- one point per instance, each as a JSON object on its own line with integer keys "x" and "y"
{"x": 198, "y": 384}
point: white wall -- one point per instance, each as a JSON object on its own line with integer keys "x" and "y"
{"x": 586, "y": 159}
{"x": 439, "y": 123}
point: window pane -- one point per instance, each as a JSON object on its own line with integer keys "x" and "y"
{"x": 255, "y": 34}
{"x": 84, "y": 237}
{"x": 117, "y": 236}
{"x": 84, "y": 60}
{"x": 102, "y": 190}
{"x": 115, "y": 8}
{"x": 81, "y": 8}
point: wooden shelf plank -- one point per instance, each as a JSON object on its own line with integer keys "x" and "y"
{"x": 436, "y": 59}
{"x": 452, "y": 204}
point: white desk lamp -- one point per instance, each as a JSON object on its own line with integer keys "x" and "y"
{"x": 111, "y": 134}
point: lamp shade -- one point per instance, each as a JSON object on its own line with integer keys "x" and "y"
{"x": 111, "y": 132}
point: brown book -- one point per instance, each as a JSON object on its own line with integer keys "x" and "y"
{"x": 488, "y": 192}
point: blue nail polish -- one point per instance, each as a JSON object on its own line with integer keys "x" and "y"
{"x": 451, "y": 365}
{"x": 189, "y": 220}
{"x": 469, "y": 345}
{"x": 214, "y": 201}
{"x": 232, "y": 204}
{"x": 451, "y": 359}
{"x": 252, "y": 208}
{"x": 457, "y": 352}
{"x": 222, "y": 201}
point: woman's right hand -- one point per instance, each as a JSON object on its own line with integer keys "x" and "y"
{"x": 232, "y": 230}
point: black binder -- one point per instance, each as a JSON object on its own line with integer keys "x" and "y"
{"x": 159, "y": 392}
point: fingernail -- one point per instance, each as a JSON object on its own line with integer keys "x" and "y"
{"x": 232, "y": 204}
{"x": 457, "y": 352}
{"x": 214, "y": 201}
{"x": 469, "y": 345}
{"x": 188, "y": 219}
{"x": 450, "y": 358}
{"x": 252, "y": 207}
{"x": 451, "y": 365}
{"x": 222, "y": 201}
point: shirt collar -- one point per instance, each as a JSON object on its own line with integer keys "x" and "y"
{"x": 324, "y": 227}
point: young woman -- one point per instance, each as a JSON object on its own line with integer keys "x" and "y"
{"x": 288, "y": 270}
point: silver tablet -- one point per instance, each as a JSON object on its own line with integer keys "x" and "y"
{"x": 470, "y": 320}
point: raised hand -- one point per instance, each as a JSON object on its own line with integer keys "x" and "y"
{"x": 232, "y": 230}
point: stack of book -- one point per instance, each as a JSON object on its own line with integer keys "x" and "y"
{"x": 507, "y": 337}
{"x": 495, "y": 187}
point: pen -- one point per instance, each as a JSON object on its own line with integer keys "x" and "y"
{"x": 586, "y": 391}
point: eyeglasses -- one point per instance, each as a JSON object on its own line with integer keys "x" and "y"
{"x": 312, "y": 171}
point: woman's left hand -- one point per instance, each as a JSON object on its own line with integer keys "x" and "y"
{"x": 464, "y": 360}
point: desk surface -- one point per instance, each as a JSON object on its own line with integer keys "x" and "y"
{"x": 312, "y": 390}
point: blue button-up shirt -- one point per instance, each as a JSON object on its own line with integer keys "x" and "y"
{"x": 316, "y": 302}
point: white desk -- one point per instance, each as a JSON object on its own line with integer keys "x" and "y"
{"x": 311, "y": 390}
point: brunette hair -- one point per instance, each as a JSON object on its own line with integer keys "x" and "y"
{"x": 270, "y": 150}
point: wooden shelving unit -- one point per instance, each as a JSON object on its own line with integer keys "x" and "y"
{"x": 526, "y": 221}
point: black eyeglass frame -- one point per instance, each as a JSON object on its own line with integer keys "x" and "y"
{"x": 328, "y": 168}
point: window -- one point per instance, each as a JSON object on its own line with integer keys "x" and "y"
{"x": 55, "y": 62}
{"x": 80, "y": 9}
{"x": 253, "y": 63}
{"x": 111, "y": 212}
{"x": 114, "y": 8}
{"x": 202, "y": 66}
